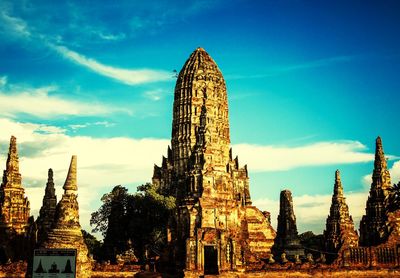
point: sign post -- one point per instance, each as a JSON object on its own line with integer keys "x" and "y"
{"x": 54, "y": 263}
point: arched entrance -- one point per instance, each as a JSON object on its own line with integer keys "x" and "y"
{"x": 210, "y": 259}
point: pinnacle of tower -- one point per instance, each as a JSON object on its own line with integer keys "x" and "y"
{"x": 70, "y": 182}
{"x": 50, "y": 181}
{"x": 338, "y": 188}
{"x": 11, "y": 176}
{"x": 380, "y": 161}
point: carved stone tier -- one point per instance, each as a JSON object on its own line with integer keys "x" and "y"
{"x": 373, "y": 228}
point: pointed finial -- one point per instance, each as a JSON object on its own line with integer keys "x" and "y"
{"x": 12, "y": 164}
{"x": 380, "y": 161}
{"x": 337, "y": 175}
{"x": 13, "y": 146}
{"x": 70, "y": 183}
{"x": 50, "y": 175}
{"x": 338, "y": 188}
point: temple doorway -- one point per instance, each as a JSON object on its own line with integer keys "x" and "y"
{"x": 210, "y": 259}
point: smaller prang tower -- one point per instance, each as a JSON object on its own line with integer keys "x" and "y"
{"x": 287, "y": 240}
{"x": 14, "y": 206}
{"x": 66, "y": 230}
{"x": 340, "y": 232}
{"x": 373, "y": 229}
{"x": 48, "y": 209}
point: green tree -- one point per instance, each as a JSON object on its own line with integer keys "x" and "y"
{"x": 110, "y": 219}
{"x": 93, "y": 244}
{"x": 141, "y": 217}
{"x": 148, "y": 214}
{"x": 393, "y": 198}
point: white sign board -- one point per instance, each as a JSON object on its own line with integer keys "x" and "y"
{"x": 54, "y": 263}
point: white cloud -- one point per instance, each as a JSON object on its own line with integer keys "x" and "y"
{"x": 13, "y": 25}
{"x": 126, "y": 76}
{"x": 75, "y": 127}
{"x": 280, "y": 158}
{"x": 311, "y": 211}
{"x": 102, "y": 163}
{"x": 106, "y": 162}
{"x": 154, "y": 95}
{"x": 395, "y": 172}
{"x": 111, "y": 37}
{"x": 3, "y": 81}
{"x": 38, "y": 102}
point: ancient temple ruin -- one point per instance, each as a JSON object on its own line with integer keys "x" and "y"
{"x": 287, "y": 240}
{"x": 66, "y": 230}
{"x": 14, "y": 210}
{"x": 48, "y": 209}
{"x": 340, "y": 233}
{"x": 373, "y": 228}
{"x": 216, "y": 228}
{"x": 14, "y": 206}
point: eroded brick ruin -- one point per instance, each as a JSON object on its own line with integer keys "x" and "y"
{"x": 48, "y": 209}
{"x": 216, "y": 227}
{"x": 373, "y": 229}
{"x": 287, "y": 243}
{"x": 339, "y": 233}
{"x": 14, "y": 209}
{"x": 66, "y": 231}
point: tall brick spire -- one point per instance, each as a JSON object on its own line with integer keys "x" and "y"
{"x": 340, "y": 232}
{"x": 66, "y": 230}
{"x": 48, "y": 209}
{"x": 14, "y": 206}
{"x": 200, "y": 87}
{"x": 373, "y": 229}
{"x": 212, "y": 191}
{"x": 70, "y": 184}
{"x": 287, "y": 239}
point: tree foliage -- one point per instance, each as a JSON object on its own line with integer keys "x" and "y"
{"x": 92, "y": 243}
{"x": 141, "y": 217}
{"x": 393, "y": 198}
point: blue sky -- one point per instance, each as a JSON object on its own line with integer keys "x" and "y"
{"x": 311, "y": 84}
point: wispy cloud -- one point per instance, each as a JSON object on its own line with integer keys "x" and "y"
{"x": 154, "y": 95}
{"x": 75, "y": 127}
{"x": 3, "y": 81}
{"x": 274, "y": 71}
{"x": 13, "y": 25}
{"x": 281, "y": 158}
{"x": 38, "y": 102}
{"x": 111, "y": 37}
{"x": 126, "y": 76}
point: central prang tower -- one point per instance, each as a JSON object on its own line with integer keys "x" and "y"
{"x": 216, "y": 227}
